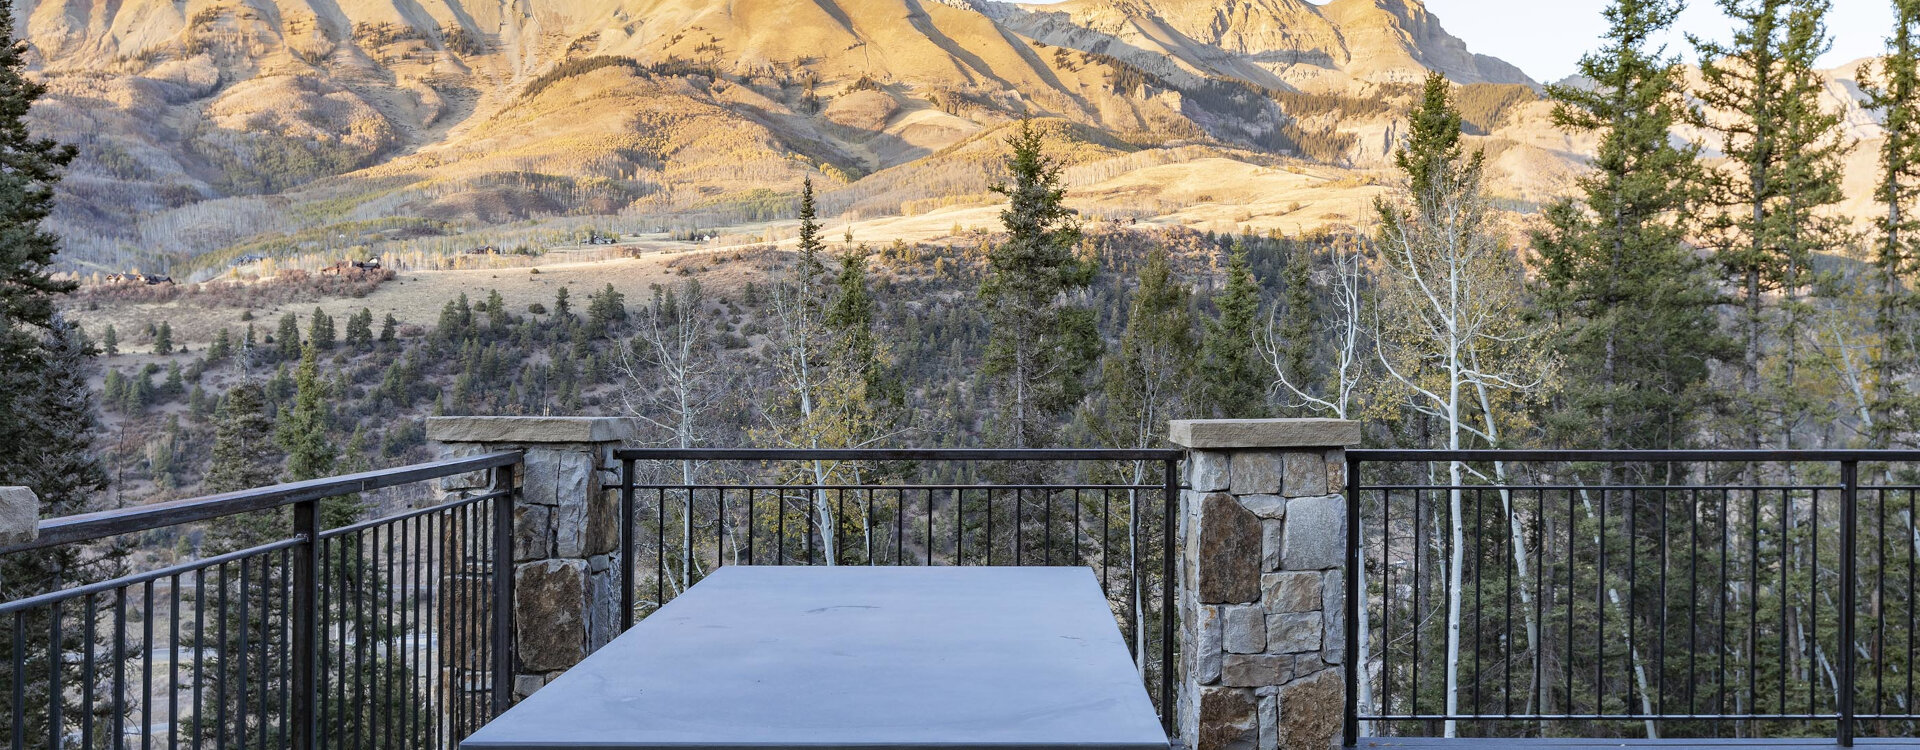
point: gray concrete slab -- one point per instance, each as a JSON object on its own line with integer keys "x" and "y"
{"x": 870, "y": 658}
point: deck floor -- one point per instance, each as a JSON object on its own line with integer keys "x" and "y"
{"x": 1431, "y": 743}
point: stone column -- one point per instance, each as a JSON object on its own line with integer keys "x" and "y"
{"x": 1262, "y": 598}
{"x": 566, "y": 531}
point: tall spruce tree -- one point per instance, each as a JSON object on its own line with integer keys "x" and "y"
{"x": 287, "y": 337}
{"x": 320, "y": 332}
{"x": 302, "y": 429}
{"x": 1631, "y": 303}
{"x": 1784, "y": 155}
{"x": 244, "y": 457}
{"x": 1894, "y": 91}
{"x": 244, "y": 452}
{"x": 1233, "y": 381}
{"x": 1041, "y": 344}
{"x": 46, "y": 414}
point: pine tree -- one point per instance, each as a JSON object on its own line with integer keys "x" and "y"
{"x": 222, "y": 346}
{"x": 1143, "y": 380}
{"x": 62, "y": 469}
{"x": 1784, "y": 154}
{"x": 287, "y": 337}
{"x": 360, "y": 330}
{"x": 320, "y": 332}
{"x": 1632, "y": 304}
{"x": 1040, "y": 343}
{"x": 163, "y": 339}
{"x": 810, "y": 245}
{"x": 1300, "y": 317}
{"x": 1232, "y": 379}
{"x": 110, "y": 341}
{"x": 605, "y": 309}
{"x": 389, "y": 329}
{"x": 244, "y": 455}
{"x": 850, "y": 320}
{"x": 302, "y": 428}
{"x": 1893, "y": 409}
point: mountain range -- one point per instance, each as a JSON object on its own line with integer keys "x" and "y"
{"x": 215, "y": 130}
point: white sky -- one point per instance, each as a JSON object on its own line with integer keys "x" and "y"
{"x": 1546, "y": 37}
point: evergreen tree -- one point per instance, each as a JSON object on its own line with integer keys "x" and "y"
{"x": 606, "y": 309}
{"x": 562, "y": 309}
{"x": 850, "y": 319}
{"x": 360, "y": 330}
{"x": 61, "y": 468}
{"x": 810, "y": 245}
{"x": 1143, "y": 380}
{"x": 287, "y": 338}
{"x": 320, "y": 330}
{"x": 1300, "y": 319}
{"x": 1232, "y": 379}
{"x": 1040, "y": 343}
{"x": 1784, "y": 154}
{"x": 222, "y": 346}
{"x": 110, "y": 341}
{"x": 389, "y": 329}
{"x": 1632, "y": 305}
{"x": 302, "y": 428}
{"x": 244, "y": 453}
{"x": 163, "y": 339}
{"x": 1893, "y": 409}
{"x": 176, "y": 384}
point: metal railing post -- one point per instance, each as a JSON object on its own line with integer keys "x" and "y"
{"x": 1849, "y": 499}
{"x": 627, "y": 583}
{"x": 304, "y": 642}
{"x": 1169, "y": 547}
{"x": 503, "y": 587}
{"x": 1356, "y": 564}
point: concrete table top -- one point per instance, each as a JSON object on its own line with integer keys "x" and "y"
{"x": 853, "y": 657}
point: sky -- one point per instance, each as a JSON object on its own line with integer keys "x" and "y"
{"x": 1556, "y": 32}
{"x": 1546, "y": 37}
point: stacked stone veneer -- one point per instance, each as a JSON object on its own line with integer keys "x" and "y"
{"x": 1262, "y": 598}
{"x": 566, "y": 531}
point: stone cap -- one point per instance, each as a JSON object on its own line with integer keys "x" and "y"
{"x": 1223, "y": 434}
{"x": 515, "y": 430}
{"x": 19, "y": 515}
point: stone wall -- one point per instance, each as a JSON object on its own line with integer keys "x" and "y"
{"x": 565, "y": 531}
{"x": 1262, "y": 598}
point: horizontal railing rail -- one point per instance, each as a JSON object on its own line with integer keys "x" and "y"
{"x": 1701, "y": 594}
{"x": 772, "y": 508}
{"x": 90, "y": 526}
{"x": 384, "y": 632}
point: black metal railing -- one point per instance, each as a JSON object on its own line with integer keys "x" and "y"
{"x": 1110, "y": 510}
{"x": 376, "y": 634}
{"x": 1672, "y": 594}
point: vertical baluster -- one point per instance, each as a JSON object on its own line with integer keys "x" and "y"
{"x": 304, "y": 645}
{"x": 503, "y": 581}
{"x": 628, "y": 586}
{"x": 1850, "y": 493}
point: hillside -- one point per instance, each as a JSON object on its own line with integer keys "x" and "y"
{"x": 216, "y": 129}
{"x": 217, "y": 132}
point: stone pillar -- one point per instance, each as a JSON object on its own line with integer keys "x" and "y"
{"x": 1262, "y": 597}
{"x": 566, "y": 531}
{"x": 19, "y": 515}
